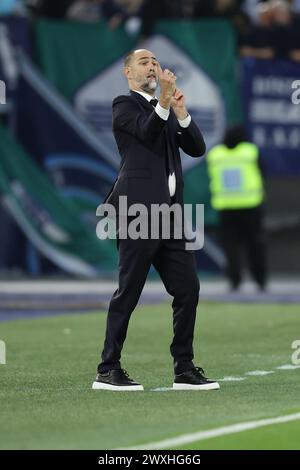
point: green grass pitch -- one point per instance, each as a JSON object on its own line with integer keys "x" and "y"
{"x": 47, "y": 401}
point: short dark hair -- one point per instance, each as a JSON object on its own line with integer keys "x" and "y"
{"x": 128, "y": 58}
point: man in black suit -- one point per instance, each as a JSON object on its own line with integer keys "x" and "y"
{"x": 149, "y": 133}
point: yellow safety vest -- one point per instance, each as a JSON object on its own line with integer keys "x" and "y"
{"x": 235, "y": 178}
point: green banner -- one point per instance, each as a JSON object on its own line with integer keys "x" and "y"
{"x": 71, "y": 53}
{"x": 52, "y": 223}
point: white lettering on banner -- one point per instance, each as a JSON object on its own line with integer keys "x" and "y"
{"x": 296, "y": 93}
{"x": 2, "y": 92}
{"x": 277, "y": 137}
{"x": 280, "y": 86}
{"x": 266, "y": 110}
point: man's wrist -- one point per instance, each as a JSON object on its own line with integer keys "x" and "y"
{"x": 185, "y": 122}
{"x": 163, "y": 113}
{"x": 165, "y": 102}
{"x": 181, "y": 114}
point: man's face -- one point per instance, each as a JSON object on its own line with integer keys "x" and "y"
{"x": 142, "y": 73}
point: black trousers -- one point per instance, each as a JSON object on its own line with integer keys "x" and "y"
{"x": 177, "y": 269}
{"x": 243, "y": 229}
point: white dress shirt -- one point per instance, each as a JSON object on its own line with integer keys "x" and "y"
{"x": 164, "y": 114}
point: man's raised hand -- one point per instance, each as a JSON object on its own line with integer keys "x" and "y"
{"x": 167, "y": 81}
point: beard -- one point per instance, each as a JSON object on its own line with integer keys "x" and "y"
{"x": 149, "y": 86}
{"x": 153, "y": 85}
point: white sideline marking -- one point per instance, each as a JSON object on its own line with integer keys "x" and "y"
{"x": 259, "y": 372}
{"x": 288, "y": 367}
{"x": 231, "y": 379}
{"x": 162, "y": 389}
{"x": 202, "y": 435}
{"x": 252, "y": 373}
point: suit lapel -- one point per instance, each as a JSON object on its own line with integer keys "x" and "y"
{"x": 141, "y": 100}
{"x": 169, "y": 130}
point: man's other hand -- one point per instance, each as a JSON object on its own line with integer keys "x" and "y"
{"x": 178, "y": 104}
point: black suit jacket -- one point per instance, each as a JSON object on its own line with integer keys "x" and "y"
{"x": 143, "y": 140}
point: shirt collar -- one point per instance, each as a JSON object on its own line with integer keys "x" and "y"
{"x": 145, "y": 95}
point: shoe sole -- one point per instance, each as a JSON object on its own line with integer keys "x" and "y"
{"x": 116, "y": 388}
{"x": 212, "y": 386}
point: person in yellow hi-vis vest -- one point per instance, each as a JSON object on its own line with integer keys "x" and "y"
{"x": 237, "y": 193}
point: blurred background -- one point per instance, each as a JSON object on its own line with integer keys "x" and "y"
{"x": 61, "y": 62}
